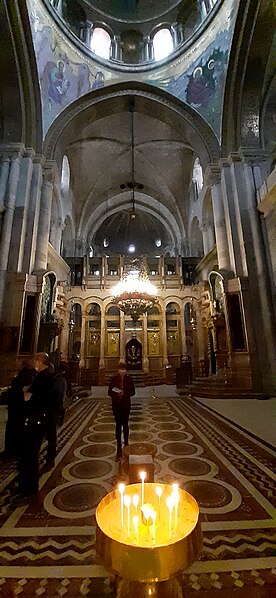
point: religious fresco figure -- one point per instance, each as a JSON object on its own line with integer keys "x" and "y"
{"x": 99, "y": 80}
{"x": 58, "y": 85}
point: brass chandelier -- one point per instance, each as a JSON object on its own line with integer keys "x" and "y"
{"x": 134, "y": 294}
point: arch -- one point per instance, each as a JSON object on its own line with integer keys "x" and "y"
{"x": 100, "y": 42}
{"x": 122, "y": 202}
{"x": 244, "y": 81}
{"x": 163, "y": 44}
{"x": 93, "y": 309}
{"x": 148, "y": 100}
{"x": 20, "y": 96}
{"x": 65, "y": 175}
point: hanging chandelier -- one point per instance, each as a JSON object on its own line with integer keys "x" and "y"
{"x": 134, "y": 294}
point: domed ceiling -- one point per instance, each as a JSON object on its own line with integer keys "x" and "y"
{"x": 134, "y": 11}
{"x": 132, "y": 233}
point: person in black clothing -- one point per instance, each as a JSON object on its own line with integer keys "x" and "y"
{"x": 38, "y": 404}
{"x": 13, "y": 430}
{"x": 120, "y": 390}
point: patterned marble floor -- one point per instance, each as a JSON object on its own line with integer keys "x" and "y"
{"x": 48, "y": 545}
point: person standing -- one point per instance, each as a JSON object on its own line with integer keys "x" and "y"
{"x": 121, "y": 389}
{"x": 25, "y": 377}
{"x": 38, "y": 399}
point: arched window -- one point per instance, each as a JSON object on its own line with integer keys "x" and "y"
{"x": 100, "y": 42}
{"x": 65, "y": 175}
{"x": 76, "y": 313}
{"x": 197, "y": 176}
{"x": 162, "y": 44}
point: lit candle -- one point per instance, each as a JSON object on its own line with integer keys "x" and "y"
{"x": 143, "y": 476}
{"x": 136, "y": 528}
{"x": 121, "y": 489}
{"x": 175, "y": 497}
{"x": 127, "y": 501}
{"x": 135, "y": 500}
{"x": 170, "y": 503}
{"x": 159, "y": 493}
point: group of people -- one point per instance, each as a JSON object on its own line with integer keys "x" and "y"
{"x": 36, "y": 404}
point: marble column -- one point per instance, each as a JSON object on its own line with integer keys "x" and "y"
{"x": 20, "y": 217}
{"x": 33, "y": 215}
{"x": 122, "y": 337}
{"x": 44, "y": 217}
{"x": 83, "y": 343}
{"x": 164, "y": 340}
{"x": 183, "y": 332}
{"x": 205, "y": 236}
{"x": 213, "y": 178}
{"x": 145, "y": 343}
{"x": 232, "y": 220}
{"x": 8, "y": 219}
{"x": 103, "y": 340}
{"x": 4, "y": 176}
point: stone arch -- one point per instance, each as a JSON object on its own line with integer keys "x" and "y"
{"x": 148, "y": 100}
{"x": 245, "y": 77}
{"x": 20, "y": 95}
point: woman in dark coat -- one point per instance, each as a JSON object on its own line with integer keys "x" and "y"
{"x": 14, "y": 424}
{"x": 120, "y": 390}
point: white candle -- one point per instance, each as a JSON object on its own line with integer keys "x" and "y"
{"x": 153, "y": 515}
{"x": 121, "y": 489}
{"x": 159, "y": 493}
{"x": 135, "y": 500}
{"x": 127, "y": 501}
{"x": 136, "y": 528}
{"x": 175, "y": 497}
{"x": 170, "y": 503}
{"x": 143, "y": 476}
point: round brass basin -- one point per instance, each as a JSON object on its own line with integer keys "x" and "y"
{"x": 146, "y": 557}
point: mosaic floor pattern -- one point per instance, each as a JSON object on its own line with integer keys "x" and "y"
{"x": 48, "y": 545}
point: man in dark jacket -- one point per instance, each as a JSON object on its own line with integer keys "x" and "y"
{"x": 120, "y": 390}
{"x": 39, "y": 399}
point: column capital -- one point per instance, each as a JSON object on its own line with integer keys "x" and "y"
{"x": 50, "y": 171}
{"x": 14, "y": 150}
{"x": 29, "y": 153}
{"x": 212, "y": 175}
{"x": 251, "y": 155}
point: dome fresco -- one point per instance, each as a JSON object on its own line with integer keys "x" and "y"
{"x": 134, "y": 11}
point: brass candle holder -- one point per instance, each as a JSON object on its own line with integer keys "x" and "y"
{"x": 148, "y": 554}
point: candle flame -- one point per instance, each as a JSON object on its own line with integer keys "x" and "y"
{"x": 121, "y": 488}
{"x": 143, "y": 475}
{"x": 127, "y": 500}
{"x": 135, "y": 500}
{"x": 159, "y": 491}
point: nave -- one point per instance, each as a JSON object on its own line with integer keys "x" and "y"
{"x": 48, "y": 544}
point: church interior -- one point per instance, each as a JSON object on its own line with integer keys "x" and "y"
{"x": 137, "y": 145}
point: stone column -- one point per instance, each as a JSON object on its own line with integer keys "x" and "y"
{"x": 8, "y": 219}
{"x": 183, "y": 332}
{"x": 122, "y": 337}
{"x": 103, "y": 337}
{"x": 145, "y": 344}
{"x": 83, "y": 344}
{"x": 5, "y": 169}
{"x": 44, "y": 217}
{"x": 16, "y": 254}
{"x": 213, "y": 178}
{"x": 205, "y": 236}
{"x": 232, "y": 220}
{"x": 164, "y": 339}
{"x": 33, "y": 215}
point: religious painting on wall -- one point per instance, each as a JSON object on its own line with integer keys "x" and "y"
{"x": 153, "y": 343}
{"x": 173, "y": 343}
{"x": 134, "y": 354}
{"x": 113, "y": 344}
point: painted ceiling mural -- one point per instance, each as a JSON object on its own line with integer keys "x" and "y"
{"x": 197, "y": 77}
